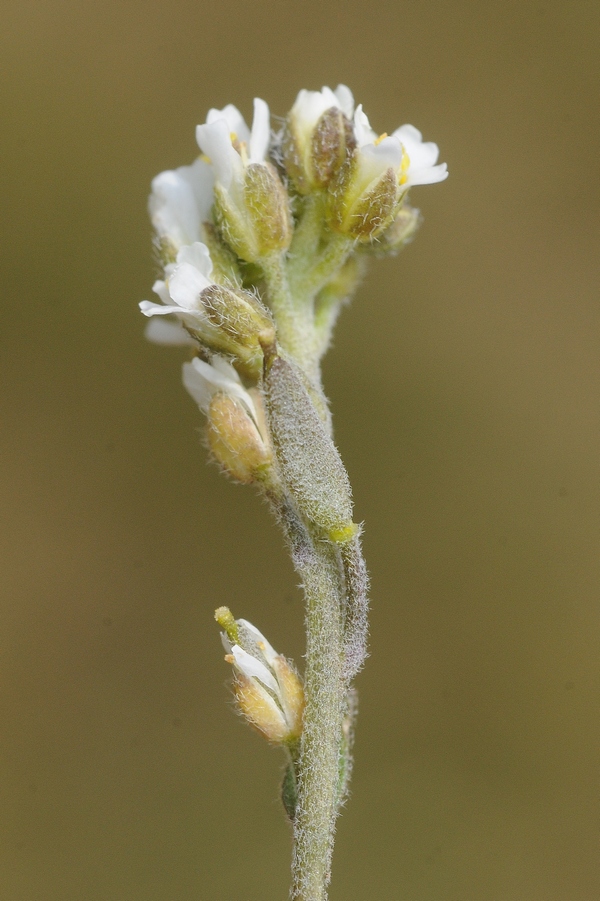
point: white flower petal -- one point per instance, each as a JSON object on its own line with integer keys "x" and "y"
{"x": 261, "y": 133}
{"x": 214, "y": 139}
{"x": 267, "y": 649}
{"x": 197, "y": 255}
{"x": 235, "y": 121}
{"x": 198, "y": 387}
{"x": 226, "y": 369}
{"x": 422, "y": 155}
{"x": 308, "y": 108}
{"x": 374, "y": 159}
{"x": 180, "y": 201}
{"x": 191, "y": 276}
{"x": 186, "y": 286}
{"x": 149, "y": 308}
{"x": 428, "y": 176}
{"x": 226, "y": 643}
{"x": 253, "y": 668}
{"x": 160, "y": 287}
{"x": 409, "y": 135}
{"x": 345, "y": 100}
{"x": 168, "y": 333}
{"x": 202, "y": 380}
{"x": 388, "y": 152}
{"x": 362, "y": 129}
{"x": 191, "y": 318}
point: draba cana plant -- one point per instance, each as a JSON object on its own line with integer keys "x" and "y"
{"x": 260, "y": 241}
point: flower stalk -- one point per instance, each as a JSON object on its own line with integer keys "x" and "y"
{"x": 261, "y": 241}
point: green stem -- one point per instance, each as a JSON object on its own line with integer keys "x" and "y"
{"x": 318, "y": 767}
{"x": 307, "y": 235}
{"x": 312, "y": 278}
{"x": 356, "y": 609}
{"x": 294, "y": 323}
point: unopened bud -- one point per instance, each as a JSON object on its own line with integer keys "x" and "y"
{"x": 362, "y": 207}
{"x": 312, "y": 155}
{"x": 261, "y": 223}
{"x": 234, "y": 322}
{"x": 226, "y": 620}
{"x": 239, "y": 315}
{"x": 268, "y": 207}
{"x": 267, "y": 689}
{"x": 400, "y": 233}
{"x": 235, "y": 440}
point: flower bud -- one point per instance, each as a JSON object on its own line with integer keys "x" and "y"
{"x": 267, "y": 689}
{"x": 400, "y": 233}
{"x": 363, "y": 206}
{"x": 239, "y": 315}
{"x": 317, "y": 137}
{"x": 251, "y": 205}
{"x": 235, "y": 440}
{"x": 369, "y": 190}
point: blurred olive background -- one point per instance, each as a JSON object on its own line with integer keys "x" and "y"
{"x": 465, "y": 386}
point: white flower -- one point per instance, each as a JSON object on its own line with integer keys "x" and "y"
{"x": 403, "y": 150}
{"x": 181, "y": 200}
{"x": 383, "y": 169}
{"x": 317, "y": 137}
{"x": 268, "y": 690}
{"x": 180, "y": 294}
{"x": 203, "y": 380}
{"x": 374, "y": 156}
{"x": 230, "y": 145}
{"x": 251, "y": 204}
{"x": 419, "y": 158}
{"x": 161, "y": 331}
{"x": 309, "y": 106}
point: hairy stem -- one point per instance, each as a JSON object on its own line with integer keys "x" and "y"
{"x": 313, "y": 277}
{"x": 294, "y": 323}
{"x": 356, "y": 609}
{"x": 318, "y": 564}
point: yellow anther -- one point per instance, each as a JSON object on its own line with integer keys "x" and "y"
{"x": 404, "y": 167}
{"x": 380, "y": 138}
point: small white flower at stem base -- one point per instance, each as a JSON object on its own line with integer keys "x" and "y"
{"x": 268, "y": 691}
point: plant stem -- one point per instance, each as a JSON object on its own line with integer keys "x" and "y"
{"x": 312, "y": 278}
{"x": 294, "y": 324}
{"x": 318, "y": 564}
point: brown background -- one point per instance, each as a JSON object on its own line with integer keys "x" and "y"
{"x": 465, "y": 386}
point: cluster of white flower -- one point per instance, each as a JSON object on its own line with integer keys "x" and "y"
{"x": 182, "y": 200}
{"x": 235, "y": 185}
{"x": 261, "y": 240}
